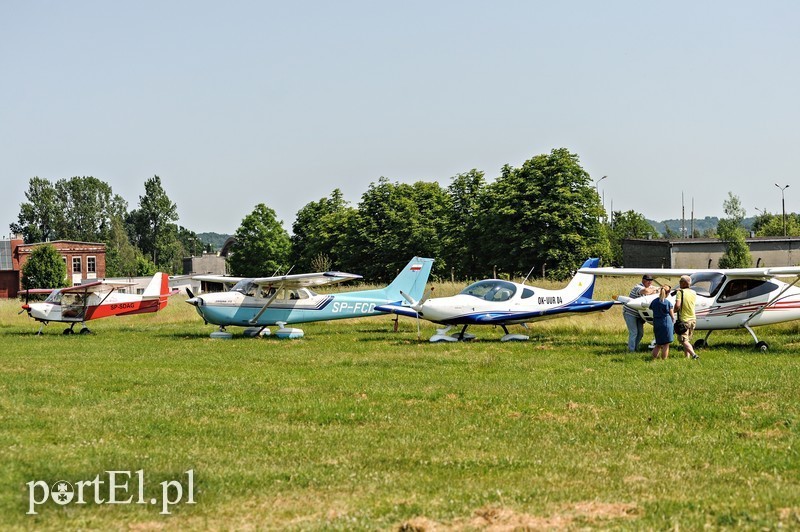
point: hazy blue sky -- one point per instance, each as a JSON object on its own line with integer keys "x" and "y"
{"x": 238, "y": 103}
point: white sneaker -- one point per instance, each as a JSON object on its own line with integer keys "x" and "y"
{"x": 652, "y": 345}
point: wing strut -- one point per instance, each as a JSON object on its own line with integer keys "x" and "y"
{"x": 254, "y": 319}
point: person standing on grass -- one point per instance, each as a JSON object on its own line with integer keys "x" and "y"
{"x": 633, "y": 320}
{"x": 663, "y": 317}
{"x": 684, "y": 306}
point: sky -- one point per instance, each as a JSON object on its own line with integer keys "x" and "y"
{"x": 238, "y": 103}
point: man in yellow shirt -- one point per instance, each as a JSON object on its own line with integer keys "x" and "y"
{"x": 684, "y": 310}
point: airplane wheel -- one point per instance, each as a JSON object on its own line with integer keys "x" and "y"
{"x": 762, "y": 346}
{"x": 85, "y": 331}
{"x": 700, "y": 343}
{"x": 68, "y": 330}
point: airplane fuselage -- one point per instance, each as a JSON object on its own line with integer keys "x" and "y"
{"x": 539, "y": 305}
{"x": 69, "y": 309}
{"x": 727, "y": 308}
{"x": 234, "y": 308}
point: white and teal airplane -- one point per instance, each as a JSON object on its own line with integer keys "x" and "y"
{"x": 261, "y": 302}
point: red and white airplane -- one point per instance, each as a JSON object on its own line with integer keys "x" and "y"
{"x": 99, "y": 299}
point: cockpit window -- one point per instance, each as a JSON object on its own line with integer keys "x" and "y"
{"x": 707, "y": 284}
{"x": 526, "y": 293}
{"x": 491, "y": 290}
{"x": 740, "y": 289}
{"x": 54, "y": 297}
{"x": 246, "y": 287}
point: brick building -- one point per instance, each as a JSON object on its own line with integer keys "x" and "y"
{"x": 84, "y": 261}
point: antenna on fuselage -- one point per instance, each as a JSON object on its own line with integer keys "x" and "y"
{"x": 529, "y": 274}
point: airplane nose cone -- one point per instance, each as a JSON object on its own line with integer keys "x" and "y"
{"x": 26, "y": 307}
{"x": 195, "y": 301}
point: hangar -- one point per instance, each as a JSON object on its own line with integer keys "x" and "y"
{"x": 700, "y": 253}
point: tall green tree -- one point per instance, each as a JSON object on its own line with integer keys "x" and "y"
{"x": 544, "y": 215}
{"x": 737, "y": 253}
{"x": 78, "y": 208}
{"x": 44, "y": 268}
{"x": 262, "y": 245}
{"x": 151, "y": 224}
{"x": 39, "y": 217}
{"x": 87, "y": 206}
{"x": 628, "y": 224}
{"x": 464, "y": 250}
{"x": 319, "y": 233}
{"x": 394, "y": 222}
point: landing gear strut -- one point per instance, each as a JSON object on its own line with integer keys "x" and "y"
{"x": 760, "y": 345}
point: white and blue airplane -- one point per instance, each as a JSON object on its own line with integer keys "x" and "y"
{"x": 503, "y": 303}
{"x": 262, "y": 302}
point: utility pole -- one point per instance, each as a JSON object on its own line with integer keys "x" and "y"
{"x": 783, "y": 205}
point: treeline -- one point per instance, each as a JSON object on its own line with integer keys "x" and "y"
{"x": 138, "y": 242}
{"x": 543, "y": 218}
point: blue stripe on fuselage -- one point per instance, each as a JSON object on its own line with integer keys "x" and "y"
{"x": 499, "y": 318}
{"x": 333, "y": 308}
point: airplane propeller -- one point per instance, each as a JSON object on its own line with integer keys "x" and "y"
{"x": 417, "y": 306}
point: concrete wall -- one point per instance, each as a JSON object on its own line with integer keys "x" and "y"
{"x": 699, "y": 253}
{"x": 205, "y": 264}
{"x": 646, "y": 254}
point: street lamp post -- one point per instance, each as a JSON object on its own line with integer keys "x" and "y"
{"x": 783, "y": 205}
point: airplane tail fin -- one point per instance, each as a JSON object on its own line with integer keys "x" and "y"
{"x": 583, "y": 283}
{"x": 411, "y": 280}
{"x": 158, "y": 288}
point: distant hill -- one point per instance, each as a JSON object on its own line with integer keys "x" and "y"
{"x": 215, "y": 239}
{"x": 700, "y": 225}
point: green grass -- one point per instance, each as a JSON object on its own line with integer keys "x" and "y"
{"x": 356, "y": 426}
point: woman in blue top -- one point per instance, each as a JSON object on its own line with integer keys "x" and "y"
{"x": 663, "y": 318}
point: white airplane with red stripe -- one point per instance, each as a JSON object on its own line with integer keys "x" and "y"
{"x": 98, "y": 299}
{"x": 726, "y": 299}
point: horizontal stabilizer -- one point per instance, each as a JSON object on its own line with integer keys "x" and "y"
{"x": 397, "y": 309}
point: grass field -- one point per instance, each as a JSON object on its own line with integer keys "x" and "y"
{"x": 358, "y": 427}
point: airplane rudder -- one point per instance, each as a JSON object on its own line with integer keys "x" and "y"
{"x": 165, "y": 291}
{"x": 411, "y": 279}
{"x": 581, "y": 279}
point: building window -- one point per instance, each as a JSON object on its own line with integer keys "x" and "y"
{"x": 76, "y": 265}
{"x": 91, "y": 265}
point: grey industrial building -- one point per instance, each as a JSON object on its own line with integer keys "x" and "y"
{"x": 699, "y": 253}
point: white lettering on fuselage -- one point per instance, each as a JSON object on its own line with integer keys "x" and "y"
{"x": 550, "y": 300}
{"x": 354, "y": 308}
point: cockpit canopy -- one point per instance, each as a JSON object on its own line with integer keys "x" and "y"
{"x": 54, "y": 297}
{"x": 707, "y": 283}
{"x": 491, "y": 290}
{"x": 248, "y": 288}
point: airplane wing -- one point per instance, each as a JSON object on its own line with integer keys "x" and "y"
{"x": 298, "y": 280}
{"x": 97, "y": 286}
{"x": 304, "y": 280}
{"x": 222, "y": 279}
{"x": 32, "y": 291}
{"x": 638, "y": 272}
{"x": 765, "y": 273}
